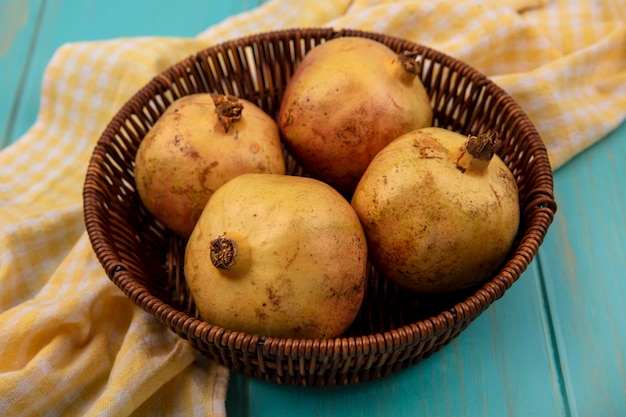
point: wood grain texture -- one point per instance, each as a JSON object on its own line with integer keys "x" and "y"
{"x": 583, "y": 261}
{"x": 18, "y": 32}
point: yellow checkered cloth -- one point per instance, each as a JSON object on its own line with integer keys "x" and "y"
{"x": 73, "y": 344}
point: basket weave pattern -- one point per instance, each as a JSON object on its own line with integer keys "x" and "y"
{"x": 395, "y": 328}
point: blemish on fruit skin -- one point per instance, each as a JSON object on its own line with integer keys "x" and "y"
{"x": 273, "y": 296}
{"x": 290, "y": 119}
{"x": 185, "y": 148}
{"x": 395, "y": 104}
{"x": 506, "y": 178}
{"x": 254, "y": 147}
{"x": 262, "y": 315}
{"x": 495, "y": 193}
{"x": 457, "y": 163}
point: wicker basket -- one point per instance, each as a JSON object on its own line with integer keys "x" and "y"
{"x": 395, "y": 328}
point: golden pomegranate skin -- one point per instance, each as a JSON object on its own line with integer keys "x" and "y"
{"x": 190, "y": 152}
{"x": 347, "y": 99}
{"x": 437, "y": 219}
{"x": 299, "y": 267}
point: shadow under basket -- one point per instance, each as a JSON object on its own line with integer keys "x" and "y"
{"x": 395, "y": 328}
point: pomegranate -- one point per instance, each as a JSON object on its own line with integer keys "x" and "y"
{"x": 277, "y": 255}
{"x": 440, "y": 210}
{"x": 200, "y": 142}
{"x": 348, "y": 98}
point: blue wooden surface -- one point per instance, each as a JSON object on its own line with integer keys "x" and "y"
{"x": 555, "y": 345}
{"x": 31, "y": 30}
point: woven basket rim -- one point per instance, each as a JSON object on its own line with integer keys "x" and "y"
{"x": 471, "y": 307}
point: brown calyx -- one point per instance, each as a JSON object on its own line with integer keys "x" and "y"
{"x": 409, "y": 62}
{"x": 224, "y": 252}
{"x": 228, "y": 110}
{"x": 482, "y": 146}
{"x": 477, "y": 152}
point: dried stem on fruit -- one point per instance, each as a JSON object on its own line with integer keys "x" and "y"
{"x": 228, "y": 109}
{"x": 477, "y": 152}
{"x": 224, "y": 252}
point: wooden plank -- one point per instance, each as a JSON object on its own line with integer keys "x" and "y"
{"x": 18, "y": 24}
{"x": 80, "y": 20}
{"x": 584, "y": 265}
{"x": 501, "y": 365}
